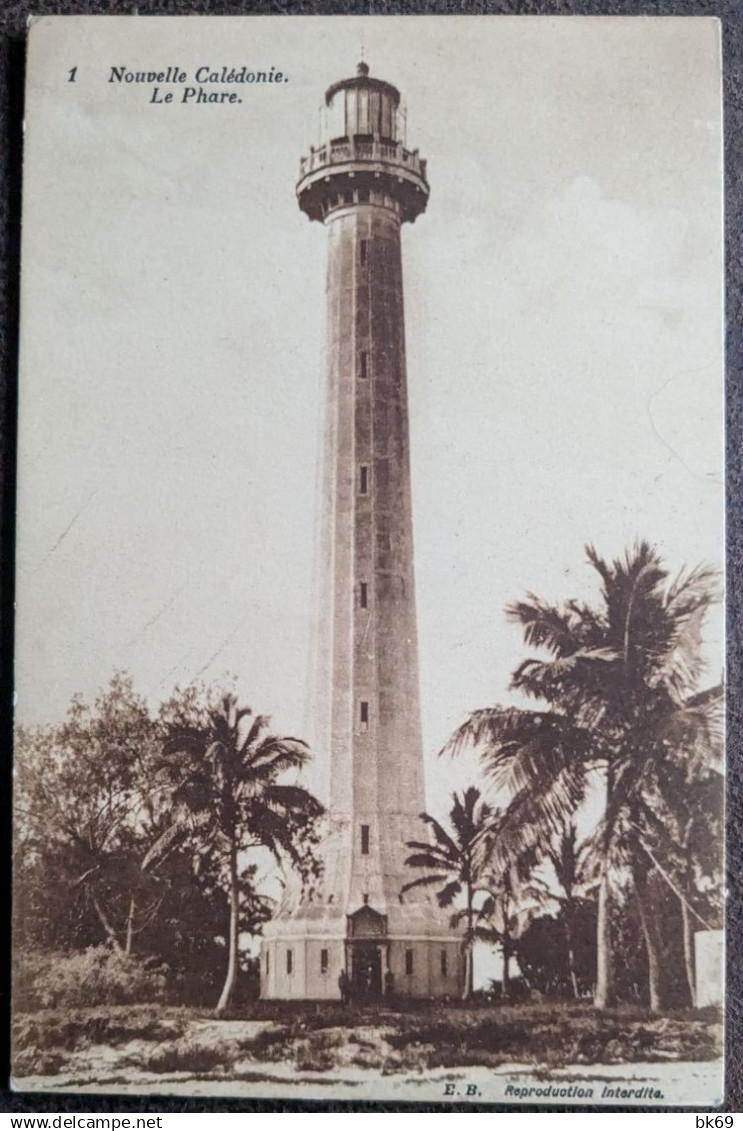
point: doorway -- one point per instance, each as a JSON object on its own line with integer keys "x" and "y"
{"x": 366, "y": 972}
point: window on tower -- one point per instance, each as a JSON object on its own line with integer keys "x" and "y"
{"x": 363, "y": 244}
{"x": 323, "y": 961}
{"x": 364, "y": 840}
{"x": 408, "y": 962}
{"x": 363, "y": 365}
{"x": 364, "y": 714}
{"x": 364, "y": 595}
{"x": 364, "y": 479}
{"x": 289, "y": 961}
{"x": 443, "y": 962}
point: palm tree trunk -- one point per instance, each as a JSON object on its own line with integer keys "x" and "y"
{"x": 653, "y": 948}
{"x": 571, "y": 952}
{"x": 689, "y": 951}
{"x": 231, "y": 979}
{"x": 505, "y": 985}
{"x": 604, "y": 995}
{"x": 130, "y": 927}
{"x": 469, "y": 972}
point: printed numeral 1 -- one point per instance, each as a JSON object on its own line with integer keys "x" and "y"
{"x": 73, "y": 72}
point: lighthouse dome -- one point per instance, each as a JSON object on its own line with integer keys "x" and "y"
{"x": 362, "y": 106}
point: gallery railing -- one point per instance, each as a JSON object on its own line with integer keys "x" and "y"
{"x": 336, "y": 152}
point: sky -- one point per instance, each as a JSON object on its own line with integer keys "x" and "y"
{"x": 563, "y": 297}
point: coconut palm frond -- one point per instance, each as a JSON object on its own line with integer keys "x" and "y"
{"x": 257, "y": 729}
{"x": 693, "y": 733}
{"x": 427, "y": 860}
{"x": 536, "y": 814}
{"x": 501, "y": 733}
{"x": 429, "y": 847}
{"x": 291, "y": 799}
{"x": 486, "y": 933}
{"x": 173, "y": 836}
{"x": 678, "y": 669}
{"x": 446, "y": 896}
{"x": 546, "y": 626}
{"x": 542, "y": 755}
{"x": 700, "y": 586}
{"x": 469, "y": 816}
{"x": 273, "y": 748}
{"x": 476, "y": 731}
{"x": 566, "y": 678}
{"x": 424, "y": 881}
{"x": 445, "y": 843}
{"x": 270, "y": 760}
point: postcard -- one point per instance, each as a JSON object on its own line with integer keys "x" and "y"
{"x": 369, "y": 668}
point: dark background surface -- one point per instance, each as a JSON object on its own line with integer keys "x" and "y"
{"x": 13, "y": 17}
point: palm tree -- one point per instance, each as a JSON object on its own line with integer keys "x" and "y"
{"x": 227, "y": 797}
{"x": 620, "y": 684}
{"x": 680, "y": 827}
{"x": 454, "y": 861}
{"x": 499, "y": 918}
{"x": 566, "y": 860}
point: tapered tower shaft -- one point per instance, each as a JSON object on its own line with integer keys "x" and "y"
{"x": 363, "y": 184}
{"x": 367, "y": 666}
{"x": 366, "y": 700}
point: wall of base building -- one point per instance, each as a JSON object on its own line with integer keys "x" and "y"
{"x": 306, "y": 968}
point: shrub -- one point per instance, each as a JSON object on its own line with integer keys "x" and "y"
{"x": 185, "y": 1055}
{"x": 36, "y": 1062}
{"x": 96, "y": 976}
{"x": 314, "y": 1060}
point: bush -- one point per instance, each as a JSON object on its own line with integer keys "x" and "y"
{"x": 36, "y": 1062}
{"x": 96, "y": 976}
{"x": 186, "y": 1055}
{"x": 69, "y": 1031}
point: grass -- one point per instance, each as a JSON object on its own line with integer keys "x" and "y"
{"x": 160, "y": 1040}
{"x": 558, "y": 1035}
{"x": 70, "y": 1029}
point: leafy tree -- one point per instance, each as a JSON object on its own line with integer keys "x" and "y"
{"x": 542, "y": 951}
{"x": 84, "y": 818}
{"x": 191, "y": 929}
{"x": 620, "y": 684}
{"x": 227, "y": 795}
{"x": 91, "y": 800}
{"x": 680, "y": 829}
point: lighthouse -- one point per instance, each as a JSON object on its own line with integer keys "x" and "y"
{"x": 359, "y": 929}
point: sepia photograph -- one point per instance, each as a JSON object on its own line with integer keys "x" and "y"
{"x": 369, "y": 673}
